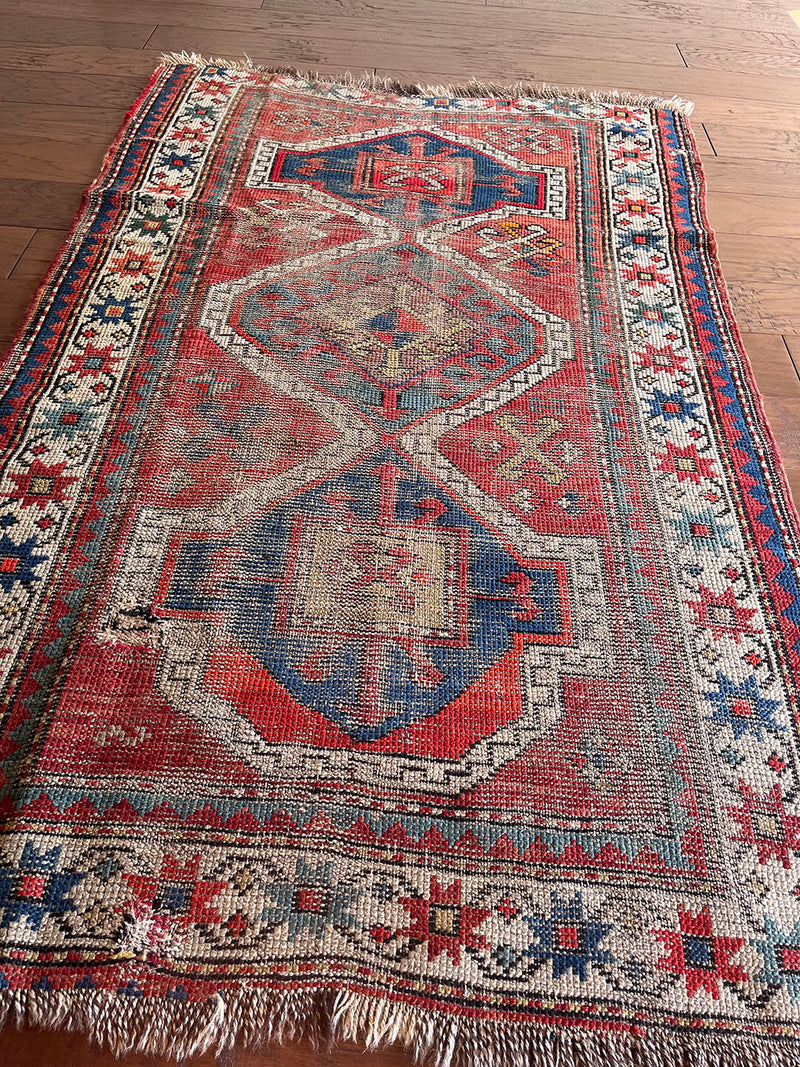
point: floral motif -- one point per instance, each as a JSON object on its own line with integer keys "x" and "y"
{"x": 781, "y": 953}
{"x": 741, "y": 706}
{"x": 567, "y": 938}
{"x": 38, "y": 886}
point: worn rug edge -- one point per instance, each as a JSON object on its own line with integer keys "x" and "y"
{"x": 255, "y": 1018}
{"x": 471, "y": 88}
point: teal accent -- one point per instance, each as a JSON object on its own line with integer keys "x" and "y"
{"x": 346, "y": 815}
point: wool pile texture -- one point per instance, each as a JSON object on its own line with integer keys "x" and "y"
{"x": 399, "y": 592}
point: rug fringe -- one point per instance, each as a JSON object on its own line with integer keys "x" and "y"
{"x": 471, "y": 89}
{"x": 256, "y": 1017}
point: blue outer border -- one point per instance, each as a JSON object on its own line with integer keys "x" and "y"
{"x": 696, "y": 279}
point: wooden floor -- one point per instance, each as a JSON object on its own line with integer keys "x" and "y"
{"x": 69, "y": 69}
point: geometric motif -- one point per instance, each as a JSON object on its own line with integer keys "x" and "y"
{"x": 392, "y": 331}
{"x": 399, "y": 609}
{"x": 408, "y": 178}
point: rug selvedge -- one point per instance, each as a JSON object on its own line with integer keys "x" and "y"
{"x": 433, "y": 639}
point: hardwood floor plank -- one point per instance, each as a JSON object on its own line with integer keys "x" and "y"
{"x": 636, "y": 24}
{"x": 13, "y": 242}
{"x": 39, "y": 254}
{"x": 465, "y": 54}
{"x": 747, "y": 178}
{"x": 775, "y": 372}
{"x": 356, "y": 18}
{"x": 88, "y": 59}
{"x": 793, "y": 478}
{"x": 55, "y": 122}
{"x": 760, "y": 308}
{"x": 743, "y": 16}
{"x": 74, "y": 90}
{"x": 15, "y": 296}
{"x": 764, "y": 260}
{"x": 741, "y": 114}
{"x": 793, "y": 345}
{"x": 783, "y": 414}
{"x": 75, "y": 31}
{"x": 607, "y": 75}
{"x": 481, "y": 27}
{"x": 765, "y": 142}
{"x": 62, "y": 161}
{"x": 763, "y": 216}
{"x": 34, "y": 203}
{"x": 743, "y": 60}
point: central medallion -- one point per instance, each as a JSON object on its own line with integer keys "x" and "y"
{"x": 374, "y": 597}
{"x": 395, "y": 332}
{"x": 409, "y": 177}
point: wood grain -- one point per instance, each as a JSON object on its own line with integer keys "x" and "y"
{"x": 13, "y": 242}
{"x": 742, "y": 16}
{"x": 90, "y": 91}
{"x": 770, "y": 307}
{"x": 458, "y": 60}
{"x": 60, "y": 122}
{"x": 62, "y": 161}
{"x": 784, "y": 418}
{"x": 764, "y": 216}
{"x": 746, "y": 114}
{"x": 751, "y": 258}
{"x": 74, "y": 31}
{"x": 766, "y": 143}
{"x": 15, "y": 295}
{"x": 745, "y": 60}
{"x": 793, "y": 347}
{"x": 39, "y": 252}
{"x": 775, "y": 370}
{"x": 88, "y": 59}
{"x": 420, "y": 19}
{"x": 38, "y": 203}
{"x": 746, "y": 177}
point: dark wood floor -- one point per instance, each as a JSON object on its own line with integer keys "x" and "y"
{"x": 69, "y": 69}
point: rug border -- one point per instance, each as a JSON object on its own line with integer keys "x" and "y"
{"x": 85, "y": 213}
{"x": 762, "y": 424}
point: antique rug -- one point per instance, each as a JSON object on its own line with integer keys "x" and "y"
{"x": 399, "y": 592}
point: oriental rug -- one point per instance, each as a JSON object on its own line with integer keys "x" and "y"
{"x": 399, "y": 591}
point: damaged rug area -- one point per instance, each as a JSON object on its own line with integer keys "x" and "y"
{"x": 398, "y": 591}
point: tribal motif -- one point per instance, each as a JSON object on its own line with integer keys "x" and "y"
{"x": 398, "y": 590}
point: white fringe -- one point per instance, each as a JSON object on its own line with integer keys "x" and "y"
{"x": 258, "y": 1017}
{"x": 473, "y": 88}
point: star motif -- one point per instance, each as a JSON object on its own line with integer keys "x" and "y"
{"x": 443, "y": 922}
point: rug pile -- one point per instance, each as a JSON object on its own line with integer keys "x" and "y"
{"x": 399, "y": 591}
